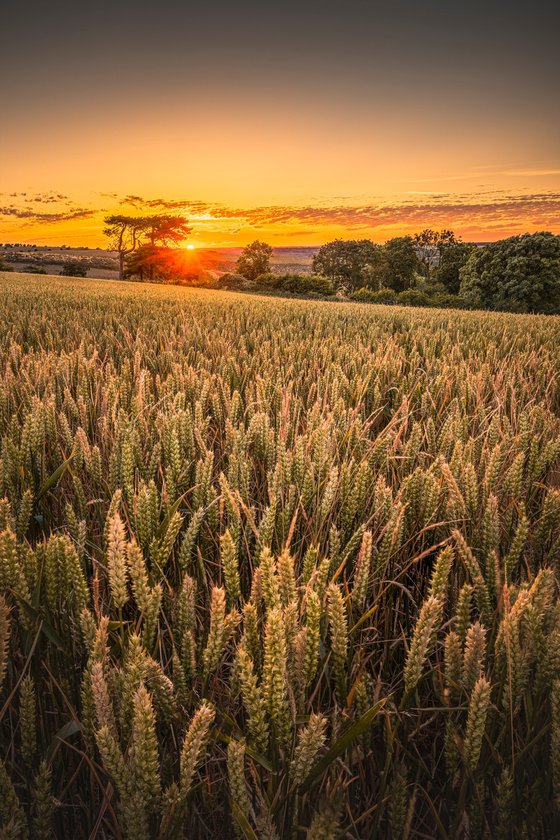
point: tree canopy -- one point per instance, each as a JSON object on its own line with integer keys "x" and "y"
{"x": 129, "y": 233}
{"x": 429, "y": 244}
{"x": 402, "y": 262}
{"x": 166, "y": 230}
{"x": 352, "y": 262}
{"x": 519, "y": 274}
{"x": 452, "y": 258}
{"x": 254, "y": 260}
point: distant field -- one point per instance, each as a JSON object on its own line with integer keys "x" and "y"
{"x": 275, "y": 569}
{"x": 103, "y": 264}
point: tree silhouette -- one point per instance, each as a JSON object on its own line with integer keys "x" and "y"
{"x": 128, "y": 232}
{"x": 124, "y": 233}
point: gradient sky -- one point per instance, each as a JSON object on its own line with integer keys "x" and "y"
{"x": 294, "y": 121}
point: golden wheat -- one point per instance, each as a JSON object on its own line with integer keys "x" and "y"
{"x": 276, "y": 569}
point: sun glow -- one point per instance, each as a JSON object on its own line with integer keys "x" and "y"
{"x": 190, "y": 247}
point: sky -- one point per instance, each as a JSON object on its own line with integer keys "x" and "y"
{"x": 294, "y": 122}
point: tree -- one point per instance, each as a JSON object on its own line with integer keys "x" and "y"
{"x": 254, "y": 260}
{"x": 351, "y": 262}
{"x": 161, "y": 232}
{"x": 124, "y": 233}
{"x": 429, "y": 244}
{"x": 159, "y": 264}
{"x": 520, "y": 274}
{"x": 453, "y": 256}
{"x": 147, "y": 262}
{"x": 402, "y": 262}
{"x": 127, "y": 233}
{"x": 74, "y": 268}
{"x": 166, "y": 230}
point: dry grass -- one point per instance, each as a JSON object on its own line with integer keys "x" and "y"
{"x": 274, "y": 569}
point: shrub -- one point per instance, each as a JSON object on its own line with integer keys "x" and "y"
{"x": 305, "y": 284}
{"x": 445, "y": 300}
{"x": 367, "y": 295}
{"x": 209, "y": 279}
{"x": 33, "y": 269}
{"x": 230, "y": 280}
{"x": 310, "y": 285}
{"x": 269, "y": 280}
{"x": 74, "y": 268}
{"x": 413, "y": 297}
{"x": 431, "y": 289}
{"x": 189, "y": 279}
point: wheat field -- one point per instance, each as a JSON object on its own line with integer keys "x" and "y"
{"x": 275, "y": 569}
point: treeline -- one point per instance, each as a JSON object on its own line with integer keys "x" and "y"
{"x": 432, "y": 268}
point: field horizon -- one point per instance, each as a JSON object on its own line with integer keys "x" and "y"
{"x": 101, "y": 262}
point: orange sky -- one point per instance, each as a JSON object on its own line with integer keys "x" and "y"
{"x": 280, "y": 123}
{"x": 233, "y": 196}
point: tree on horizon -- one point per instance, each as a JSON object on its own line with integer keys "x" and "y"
{"x": 127, "y": 233}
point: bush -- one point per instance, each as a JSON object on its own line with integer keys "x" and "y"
{"x": 296, "y": 284}
{"x": 414, "y": 297}
{"x": 445, "y": 300}
{"x": 305, "y": 284}
{"x": 431, "y": 289}
{"x": 208, "y": 279}
{"x": 269, "y": 280}
{"x": 367, "y": 295}
{"x": 74, "y": 268}
{"x": 230, "y": 280}
{"x": 190, "y": 278}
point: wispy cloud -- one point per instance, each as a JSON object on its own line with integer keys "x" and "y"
{"x": 474, "y": 214}
{"x": 431, "y": 210}
{"x": 546, "y": 169}
{"x": 47, "y": 217}
{"x": 530, "y": 173}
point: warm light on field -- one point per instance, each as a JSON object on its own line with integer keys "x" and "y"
{"x": 239, "y": 500}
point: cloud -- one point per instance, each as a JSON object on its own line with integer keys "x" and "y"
{"x": 474, "y": 214}
{"x": 47, "y": 217}
{"x": 49, "y": 198}
{"x": 434, "y": 210}
{"x": 530, "y": 173}
{"x": 133, "y": 200}
{"x": 511, "y": 170}
{"x": 168, "y": 204}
